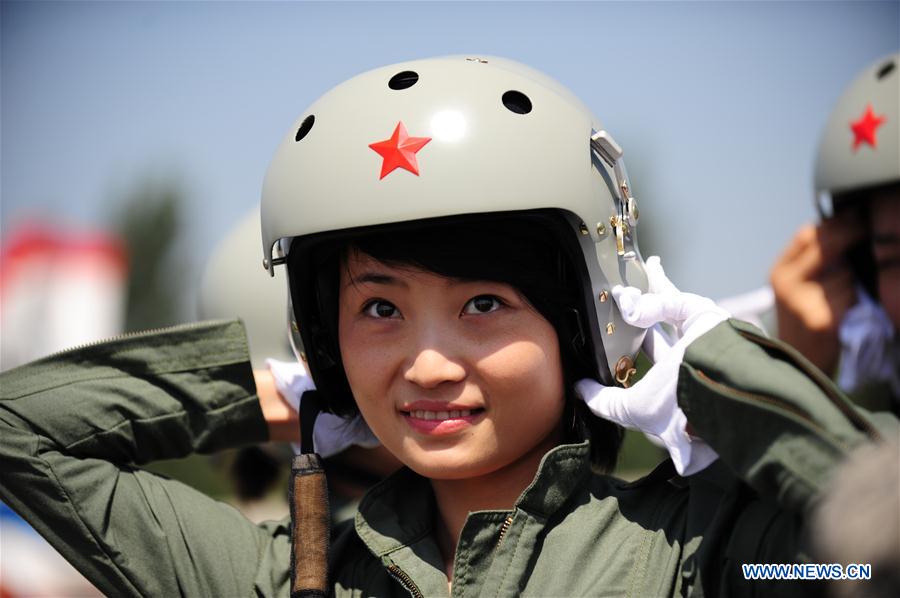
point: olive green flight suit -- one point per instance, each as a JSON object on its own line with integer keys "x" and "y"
{"x": 75, "y": 426}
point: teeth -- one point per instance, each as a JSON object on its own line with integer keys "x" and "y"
{"x": 441, "y": 415}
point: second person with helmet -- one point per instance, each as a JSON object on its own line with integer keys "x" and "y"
{"x": 837, "y": 284}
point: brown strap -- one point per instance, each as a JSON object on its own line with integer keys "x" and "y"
{"x": 310, "y": 527}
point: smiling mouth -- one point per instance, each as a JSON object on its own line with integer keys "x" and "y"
{"x": 442, "y": 422}
{"x": 442, "y": 415}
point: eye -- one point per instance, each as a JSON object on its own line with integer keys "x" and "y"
{"x": 482, "y": 304}
{"x": 380, "y": 309}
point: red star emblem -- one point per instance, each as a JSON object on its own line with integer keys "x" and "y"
{"x": 399, "y": 151}
{"x": 864, "y": 129}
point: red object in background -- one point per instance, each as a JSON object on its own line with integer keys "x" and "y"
{"x": 399, "y": 151}
{"x": 58, "y": 288}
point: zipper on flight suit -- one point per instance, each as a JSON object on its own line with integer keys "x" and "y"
{"x": 404, "y": 579}
{"x": 408, "y": 583}
{"x": 821, "y": 381}
{"x": 133, "y": 334}
{"x": 503, "y": 527}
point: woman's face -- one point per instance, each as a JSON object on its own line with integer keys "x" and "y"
{"x": 457, "y": 379}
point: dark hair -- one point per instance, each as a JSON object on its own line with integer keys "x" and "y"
{"x": 861, "y": 255}
{"x": 524, "y": 251}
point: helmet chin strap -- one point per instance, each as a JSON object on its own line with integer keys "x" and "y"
{"x": 310, "y": 513}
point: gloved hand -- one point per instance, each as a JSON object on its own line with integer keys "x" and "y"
{"x": 332, "y": 434}
{"x": 651, "y": 405}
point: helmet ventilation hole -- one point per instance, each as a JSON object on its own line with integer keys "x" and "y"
{"x": 885, "y": 70}
{"x": 305, "y": 127}
{"x": 403, "y": 80}
{"x": 517, "y": 102}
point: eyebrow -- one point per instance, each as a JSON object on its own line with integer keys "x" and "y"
{"x": 375, "y": 278}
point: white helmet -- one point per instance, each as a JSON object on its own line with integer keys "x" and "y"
{"x": 860, "y": 147}
{"x": 860, "y": 151}
{"x": 460, "y": 136}
{"x": 227, "y": 290}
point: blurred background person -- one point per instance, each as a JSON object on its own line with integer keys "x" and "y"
{"x": 259, "y": 473}
{"x": 836, "y": 295}
{"x": 837, "y": 284}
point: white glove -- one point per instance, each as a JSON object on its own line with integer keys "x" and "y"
{"x": 331, "y": 434}
{"x": 651, "y": 405}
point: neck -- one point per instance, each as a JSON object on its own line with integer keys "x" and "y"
{"x": 494, "y": 491}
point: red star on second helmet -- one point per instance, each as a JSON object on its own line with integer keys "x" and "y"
{"x": 864, "y": 128}
{"x": 399, "y": 151}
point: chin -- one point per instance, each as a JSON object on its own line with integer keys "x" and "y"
{"x": 449, "y": 464}
{"x": 436, "y": 472}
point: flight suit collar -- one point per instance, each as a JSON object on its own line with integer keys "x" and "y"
{"x": 400, "y": 509}
{"x": 395, "y": 518}
{"x": 562, "y": 470}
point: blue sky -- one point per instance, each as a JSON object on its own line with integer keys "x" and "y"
{"x": 718, "y": 105}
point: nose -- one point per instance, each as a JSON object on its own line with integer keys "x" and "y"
{"x": 431, "y": 368}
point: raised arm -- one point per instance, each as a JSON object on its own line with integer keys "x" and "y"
{"x": 75, "y": 425}
{"x": 758, "y": 428}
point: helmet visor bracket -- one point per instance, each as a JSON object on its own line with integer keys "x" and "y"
{"x": 626, "y": 206}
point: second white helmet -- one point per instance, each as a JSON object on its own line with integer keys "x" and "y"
{"x": 860, "y": 146}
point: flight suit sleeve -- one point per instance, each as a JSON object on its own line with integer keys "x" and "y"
{"x": 781, "y": 428}
{"x": 73, "y": 428}
{"x": 777, "y": 421}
